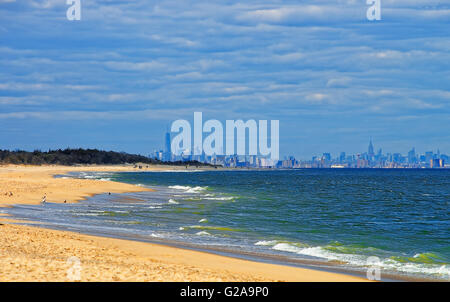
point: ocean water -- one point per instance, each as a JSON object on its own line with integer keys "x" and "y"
{"x": 325, "y": 216}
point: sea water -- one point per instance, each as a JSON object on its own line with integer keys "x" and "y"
{"x": 324, "y": 216}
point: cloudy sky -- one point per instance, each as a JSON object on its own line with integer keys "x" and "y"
{"x": 116, "y": 79}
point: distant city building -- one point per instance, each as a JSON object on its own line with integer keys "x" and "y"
{"x": 412, "y": 156}
{"x": 437, "y": 163}
{"x": 342, "y": 157}
{"x": 168, "y": 149}
{"x": 326, "y": 157}
{"x": 370, "y": 149}
{"x": 363, "y": 160}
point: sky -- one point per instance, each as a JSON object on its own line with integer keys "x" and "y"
{"x": 116, "y": 79}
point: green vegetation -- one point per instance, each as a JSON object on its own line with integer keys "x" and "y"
{"x": 70, "y": 157}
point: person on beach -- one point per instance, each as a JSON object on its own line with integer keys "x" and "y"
{"x": 44, "y": 199}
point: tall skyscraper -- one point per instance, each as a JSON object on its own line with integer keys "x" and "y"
{"x": 168, "y": 149}
{"x": 428, "y": 156}
{"x": 412, "y": 156}
{"x": 370, "y": 151}
{"x": 342, "y": 157}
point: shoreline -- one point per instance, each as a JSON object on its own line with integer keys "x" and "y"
{"x": 110, "y": 259}
{"x": 272, "y": 259}
{"x": 33, "y": 253}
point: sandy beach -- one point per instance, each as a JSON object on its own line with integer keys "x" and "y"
{"x": 37, "y": 254}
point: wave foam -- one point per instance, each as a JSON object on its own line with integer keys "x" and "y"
{"x": 179, "y": 187}
{"x": 440, "y": 270}
{"x": 196, "y": 189}
{"x": 219, "y": 198}
{"x": 188, "y": 189}
{"x": 203, "y": 233}
{"x": 267, "y": 242}
{"x": 154, "y": 207}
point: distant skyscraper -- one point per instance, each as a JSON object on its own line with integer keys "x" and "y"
{"x": 326, "y": 156}
{"x": 397, "y": 158}
{"x": 168, "y": 147}
{"x": 168, "y": 151}
{"x": 412, "y": 156}
{"x": 370, "y": 151}
{"x": 428, "y": 156}
{"x": 436, "y": 163}
{"x": 342, "y": 157}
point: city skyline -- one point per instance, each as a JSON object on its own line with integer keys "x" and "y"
{"x": 372, "y": 158}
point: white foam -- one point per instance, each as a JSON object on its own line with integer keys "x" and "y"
{"x": 433, "y": 269}
{"x": 188, "y": 189}
{"x": 286, "y": 247}
{"x": 203, "y": 233}
{"x": 173, "y": 201}
{"x": 87, "y": 214}
{"x": 203, "y": 220}
{"x": 359, "y": 260}
{"x": 180, "y": 187}
{"x": 220, "y": 198}
{"x": 196, "y": 189}
{"x": 267, "y": 242}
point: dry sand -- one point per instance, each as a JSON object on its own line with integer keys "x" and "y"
{"x": 36, "y": 254}
{"x": 28, "y": 184}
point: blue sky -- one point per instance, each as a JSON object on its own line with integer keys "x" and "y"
{"x": 117, "y": 78}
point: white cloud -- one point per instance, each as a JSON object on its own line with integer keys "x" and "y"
{"x": 339, "y": 82}
{"x": 135, "y": 66}
{"x": 317, "y": 97}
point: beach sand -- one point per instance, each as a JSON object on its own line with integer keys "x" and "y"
{"x": 28, "y": 184}
{"x": 37, "y": 254}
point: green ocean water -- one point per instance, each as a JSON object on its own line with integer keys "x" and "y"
{"x": 341, "y": 216}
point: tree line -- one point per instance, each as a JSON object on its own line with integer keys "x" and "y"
{"x": 81, "y": 157}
